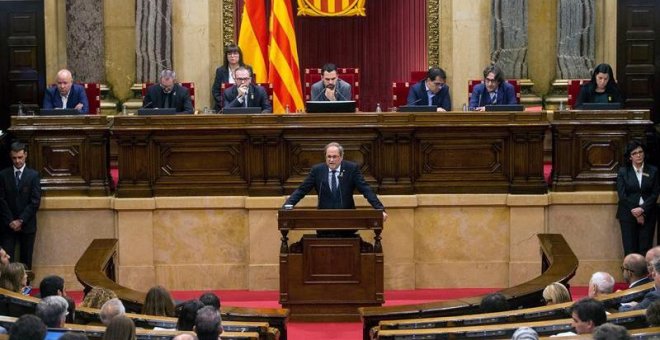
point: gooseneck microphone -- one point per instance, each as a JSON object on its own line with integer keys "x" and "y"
{"x": 148, "y": 105}
{"x": 318, "y": 95}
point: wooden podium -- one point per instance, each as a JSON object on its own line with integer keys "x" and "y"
{"x": 328, "y": 278}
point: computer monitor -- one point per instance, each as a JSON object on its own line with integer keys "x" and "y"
{"x": 507, "y": 107}
{"x": 242, "y": 110}
{"x": 59, "y": 112}
{"x": 156, "y": 111}
{"x": 601, "y": 106}
{"x": 343, "y": 106}
{"x": 417, "y": 108}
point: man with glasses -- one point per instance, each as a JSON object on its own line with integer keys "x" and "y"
{"x": 168, "y": 94}
{"x": 431, "y": 91}
{"x": 330, "y": 88}
{"x": 634, "y": 270}
{"x": 495, "y": 90}
{"x": 246, "y": 94}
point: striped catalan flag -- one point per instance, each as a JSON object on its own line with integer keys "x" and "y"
{"x": 284, "y": 70}
{"x": 253, "y": 38}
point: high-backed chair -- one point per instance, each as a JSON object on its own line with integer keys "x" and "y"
{"x": 93, "y": 92}
{"x": 400, "y": 93}
{"x": 190, "y": 85}
{"x": 416, "y": 76}
{"x": 349, "y": 75}
{"x": 574, "y": 86}
{"x": 514, "y": 82}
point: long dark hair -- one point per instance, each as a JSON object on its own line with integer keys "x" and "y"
{"x": 230, "y": 49}
{"x": 607, "y": 69}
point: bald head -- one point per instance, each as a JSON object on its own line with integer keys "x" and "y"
{"x": 650, "y": 255}
{"x": 64, "y": 82}
{"x": 634, "y": 268}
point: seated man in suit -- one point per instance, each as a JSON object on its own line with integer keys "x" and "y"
{"x": 65, "y": 94}
{"x": 431, "y": 91}
{"x": 168, "y": 94}
{"x": 634, "y": 270}
{"x": 246, "y": 94}
{"x": 330, "y": 88}
{"x": 334, "y": 181}
{"x": 495, "y": 90}
{"x": 651, "y": 296}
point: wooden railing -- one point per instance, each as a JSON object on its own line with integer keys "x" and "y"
{"x": 559, "y": 265}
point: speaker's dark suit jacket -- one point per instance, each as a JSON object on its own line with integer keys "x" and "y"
{"x": 349, "y": 179}
{"x": 77, "y": 95}
{"x": 417, "y": 95}
{"x": 506, "y": 95}
{"x": 19, "y": 203}
{"x": 181, "y": 101}
{"x": 637, "y": 238}
{"x": 257, "y": 97}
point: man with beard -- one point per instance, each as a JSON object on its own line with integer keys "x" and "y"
{"x": 330, "y": 88}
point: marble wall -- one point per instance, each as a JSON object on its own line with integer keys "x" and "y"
{"x": 575, "y": 39}
{"x": 429, "y": 241}
{"x": 153, "y": 38}
{"x": 509, "y": 37}
{"x": 85, "y": 40}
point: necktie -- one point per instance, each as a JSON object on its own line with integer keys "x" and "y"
{"x": 493, "y": 97}
{"x": 333, "y": 181}
{"x": 18, "y": 177}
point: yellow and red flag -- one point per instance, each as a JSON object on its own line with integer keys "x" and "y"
{"x": 253, "y": 38}
{"x": 284, "y": 69}
{"x": 331, "y": 8}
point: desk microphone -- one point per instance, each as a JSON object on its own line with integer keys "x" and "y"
{"x": 148, "y": 105}
{"x": 318, "y": 96}
{"x": 337, "y": 92}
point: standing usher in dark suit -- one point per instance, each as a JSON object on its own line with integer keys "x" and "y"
{"x": 637, "y": 238}
{"x": 349, "y": 178}
{"x": 22, "y": 203}
{"x": 179, "y": 98}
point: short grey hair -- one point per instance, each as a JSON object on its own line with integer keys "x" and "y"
{"x": 335, "y": 144}
{"x": 604, "y": 282}
{"x": 168, "y": 74}
{"x": 110, "y": 309}
{"x": 52, "y": 310}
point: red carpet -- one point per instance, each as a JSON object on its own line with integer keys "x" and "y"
{"x": 333, "y": 331}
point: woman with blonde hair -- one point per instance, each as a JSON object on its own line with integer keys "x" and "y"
{"x": 556, "y": 293}
{"x": 97, "y": 297}
{"x": 158, "y": 302}
{"x": 13, "y": 277}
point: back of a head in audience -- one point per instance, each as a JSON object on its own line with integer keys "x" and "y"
{"x": 525, "y": 333}
{"x": 653, "y": 314}
{"x": 97, "y": 297}
{"x": 73, "y": 336}
{"x": 650, "y": 255}
{"x": 610, "y": 331}
{"x": 587, "y": 314}
{"x": 185, "y": 336}
{"x": 208, "y": 324}
{"x": 187, "y": 312}
{"x": 210, "y": 299}
{"x": 601, "y": 283}
{"x": 495, "y": 302}
{"x": 13, "y": 277}
{"x": 556, "y": 293}
{"x": 28, "y": 327}
{"x": 52, "y": 311}
{"x": 110, "y": 310}
{"x": 120, "y": 328}
{"x": 634, "y": 268}
{"x": 51, "y": 285}
{"x": 4, "y": 257}
{"x": 71, "y": 311}
{"x": 158, "y": 302}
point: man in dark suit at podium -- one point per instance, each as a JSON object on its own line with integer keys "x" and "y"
{"x": 334, "y": 181}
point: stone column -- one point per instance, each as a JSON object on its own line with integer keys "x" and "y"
{"x": 509, "y": 37}
{"x": 85, "y": 37}
{"x": 575, "y": 39}
{"x": 153, "y": 38}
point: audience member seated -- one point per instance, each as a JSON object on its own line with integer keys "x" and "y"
{"x": 13, "y": 277}
{"x": 587, "y": 314}
{"x": 525, "y": 333}
{"x": 4, "y": 258}
{"x": 601, "y": 89}
{"x": 653, "y": 314}
{"x": 556, "y": 293}
{"x": 330, "y": 87}
{"x": 208, "y": 324}
{"x": 28, "y": 327}
{"x": 120, "y": 328}
{"x": 51, "y": 285}
{"x": 634, "y": 270}
{"x": 651, "y": 296}
{"x": 186, "y": 312}
{"x": 71, "y": 311}
{"x": 610, "y": 331}
{"x": 111, "y": 309}
{"x": 600, "y": 283}
{"x": 650, "y": 255}
{"x": 65, "y": 94}
{"x": 52, "y": 311}
{"x": 247, "y": 94}
{"x": 168, "y": 93}
{"x": 431, "y": 91}
{"x": 97, "y": 297}
{"x": 495, "y": 302}
{"x": 158, "y": 302}
{"x": 495, "y": 90}
{"x": 210, "y": 299}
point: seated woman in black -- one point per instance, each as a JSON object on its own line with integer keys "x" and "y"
{"x": 601, "y": 89}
